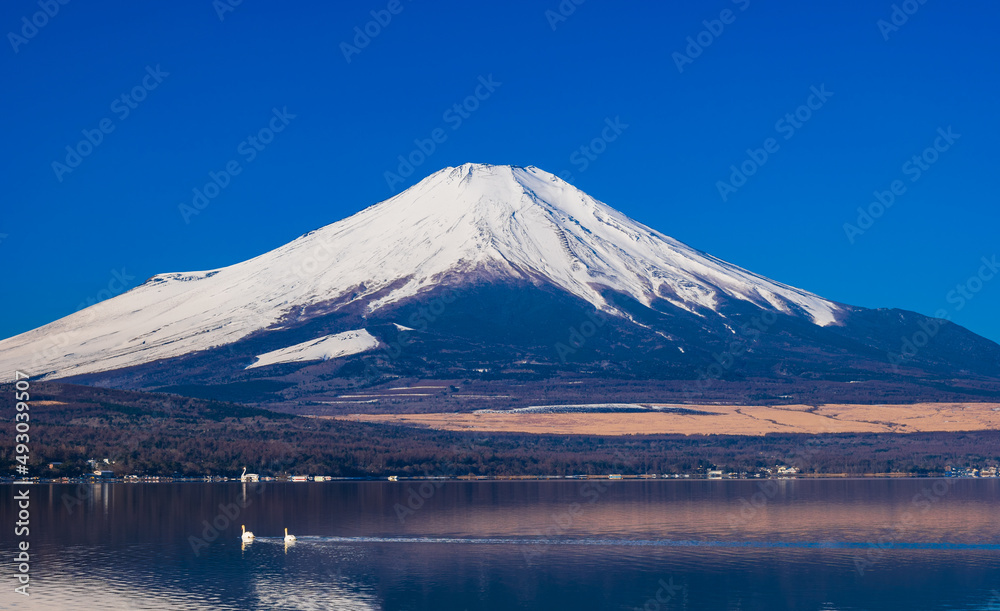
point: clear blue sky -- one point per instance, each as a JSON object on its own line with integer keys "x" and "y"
{"x": 63, "y": 242}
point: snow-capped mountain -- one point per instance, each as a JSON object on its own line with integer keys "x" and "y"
{"x": 475, "y": 225}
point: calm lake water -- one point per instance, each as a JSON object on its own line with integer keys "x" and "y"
{"x": 785, "y": 544}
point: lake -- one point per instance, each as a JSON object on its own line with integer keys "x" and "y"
{"x": 596, "y": 544}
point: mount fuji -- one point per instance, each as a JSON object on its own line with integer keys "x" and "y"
{"x": 483, "y": 270}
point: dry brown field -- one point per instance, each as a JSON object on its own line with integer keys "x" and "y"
{"x": 718, "y": 419}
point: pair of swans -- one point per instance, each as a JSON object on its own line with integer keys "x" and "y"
{"x": 248, "y": 537}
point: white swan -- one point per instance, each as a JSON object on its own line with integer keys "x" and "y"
{"x": 249, "y": 477}
{"x": 247, "y": 536}
{"x": 289, "y": 538}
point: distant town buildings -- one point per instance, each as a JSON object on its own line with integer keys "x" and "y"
{"x": 100, "y": 470}
{"x": 993, "y": 471}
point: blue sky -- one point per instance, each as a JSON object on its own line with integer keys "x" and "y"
{"x": 198, "y": 87}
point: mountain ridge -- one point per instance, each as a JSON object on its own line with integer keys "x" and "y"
{"x": 514, "y": 243}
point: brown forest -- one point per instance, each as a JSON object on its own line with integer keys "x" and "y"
{"x": 159, "y": 434}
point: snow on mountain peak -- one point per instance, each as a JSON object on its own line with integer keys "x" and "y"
{"x": 495, "y": 220}
{"x": 531, "y": 223}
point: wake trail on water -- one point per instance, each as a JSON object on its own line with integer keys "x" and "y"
{"x": 642, "y": 543}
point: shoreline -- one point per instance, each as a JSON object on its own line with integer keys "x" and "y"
{"x": 498, "y": 478}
